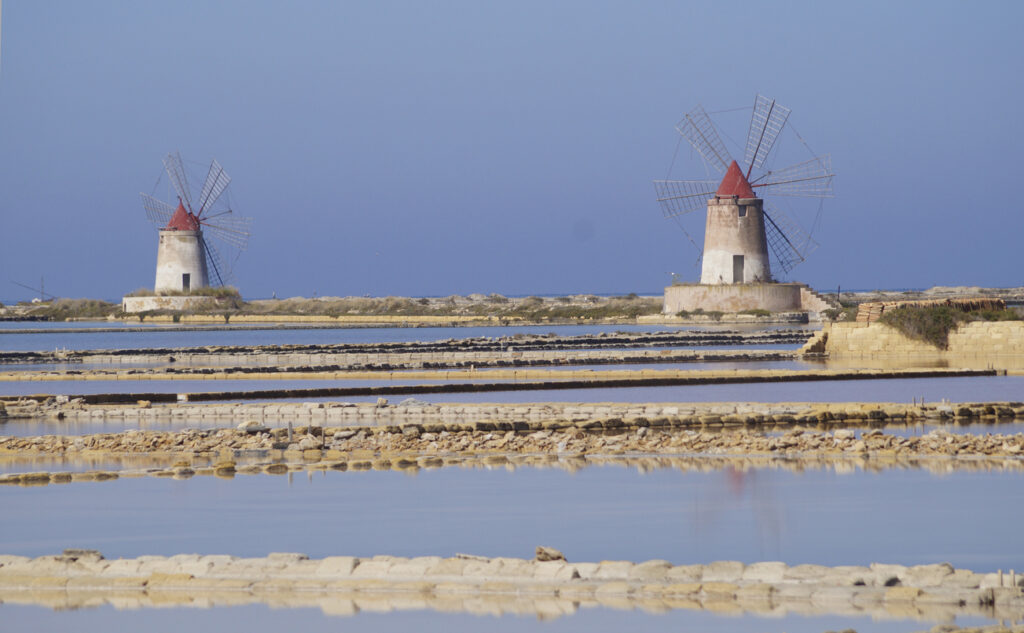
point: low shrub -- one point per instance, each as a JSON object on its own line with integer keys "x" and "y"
{"x": 931, "y": 324}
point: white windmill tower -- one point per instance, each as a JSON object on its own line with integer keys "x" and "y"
{"x": 185, "y": 259}
{"x": 745, "y": 237}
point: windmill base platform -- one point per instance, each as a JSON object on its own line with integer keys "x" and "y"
{"x": 134, "y": 305}
{"x": 781, "y": 297}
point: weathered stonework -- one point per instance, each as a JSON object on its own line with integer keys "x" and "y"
{"x": 344, "y": 585}
{"x": 988, "y": 340}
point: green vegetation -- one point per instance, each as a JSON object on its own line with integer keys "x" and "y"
{"x": 715, "y": 315}
{"x": 64, "y": 309}
{"x": 758, "y": 312}
{"x": 932, "y": 324}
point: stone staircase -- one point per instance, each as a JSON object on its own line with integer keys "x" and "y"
{"x": 813, "y": 301}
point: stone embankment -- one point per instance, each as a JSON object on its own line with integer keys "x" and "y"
{"x": 305, "y": 363}
{"x": 254, "y": 448}
{"x": 485, "y": 382}
{"x": 518, "y": 416}
{"x": 347, "y": 584}
{"x": 347, "y": 353}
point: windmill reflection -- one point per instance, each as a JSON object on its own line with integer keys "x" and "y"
{"x": 736, "y": 499}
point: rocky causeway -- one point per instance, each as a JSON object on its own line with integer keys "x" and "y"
{"x": 546, "y": 584}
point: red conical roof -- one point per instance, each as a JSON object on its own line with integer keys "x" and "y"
{"x": 735, "y": 184}
{"x": 182, "y": 220}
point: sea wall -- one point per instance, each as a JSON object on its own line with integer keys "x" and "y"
{"x": 977, "y": 339}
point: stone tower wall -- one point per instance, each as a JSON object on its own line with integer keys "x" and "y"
{"x": 735, "y": 227}
{"x": 180, "y": 253}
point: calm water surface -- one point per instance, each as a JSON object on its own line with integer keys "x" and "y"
{"x": 264, "y": 619}
{"x": 970, "y": 519}
{"x": 163, "y": 336}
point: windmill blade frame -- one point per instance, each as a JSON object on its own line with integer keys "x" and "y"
{"x": 679, "y": 197}
{"x": 215, "y": 266}
{"x": 232, "y": 230}
{"x": 176, "y": 172}
{"x": 809, "y": 179}
{"x": 157, "y": 211}
{"x": 216, "y": 182}
{"x": 788, "y": 243}
{"x": 698, "y": 130}
{"x": 766, "y": 123}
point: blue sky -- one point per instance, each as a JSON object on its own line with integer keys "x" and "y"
{"x": 434, "y": 148}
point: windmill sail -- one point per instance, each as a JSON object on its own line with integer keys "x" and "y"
{"x": 230, "y": 229}
{"x": 176, "y": 172}
{"x": 678, "y": 197}
{"x": 219, "y": 274}
{"x": 766, "y": 123}
{"x": 157, "y": 212}
{"x": 788, "y": 243}
{"x": 216, "y": 182}
{"x": 809, "y": 179}
{"x": 697, "y": 128}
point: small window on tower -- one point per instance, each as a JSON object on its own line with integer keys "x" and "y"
{"x": 743, "y": 210}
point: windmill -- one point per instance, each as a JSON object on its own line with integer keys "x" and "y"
{"x": 186, "y": 260}
{"x": 746, "y": 232}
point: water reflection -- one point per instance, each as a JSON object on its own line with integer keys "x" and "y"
{"x": 163, "y": 336}
{"x": 600, "y": 513}
{"x": 313, "y": 613}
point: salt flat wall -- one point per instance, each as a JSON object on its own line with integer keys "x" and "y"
{"x": 732, "y": 297}
{"x": 132, "y": 305}
{"x": 975, "y": 339}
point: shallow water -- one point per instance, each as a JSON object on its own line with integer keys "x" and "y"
{"x": 932, "y": 389}
{"x": 164, "y": 336}
{"x": 262, "y": 618}
{"x": 955, "y": 389}
{"x": 970, "y": 519}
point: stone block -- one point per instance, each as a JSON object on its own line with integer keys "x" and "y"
{"x": 962, "y": 578}
{"x": 723, "y": 571}
{"x": 681, "y": 589}
{"x": 613, "y": 570}
{"x": 613, "y": 588}
{"x": 766, "y": 572}
{"x": 927, "y": 575}
{"x": 902, "y": 594}
{"x": 806, "y": 573}
{"x": 685, "y": 573}
{"x": 652, "y": 570}
{"x": 337, "y": 566}
{"x": 168, "y": 581}
{"x": 885, "y": 575}
{"x": 719, "y": 590}
{"x": 371, "y": 569}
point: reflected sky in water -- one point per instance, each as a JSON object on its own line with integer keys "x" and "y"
{"x": 261, "y": 619}
{"x": 164, "y": 336}
{"x": 970, "y": 519}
